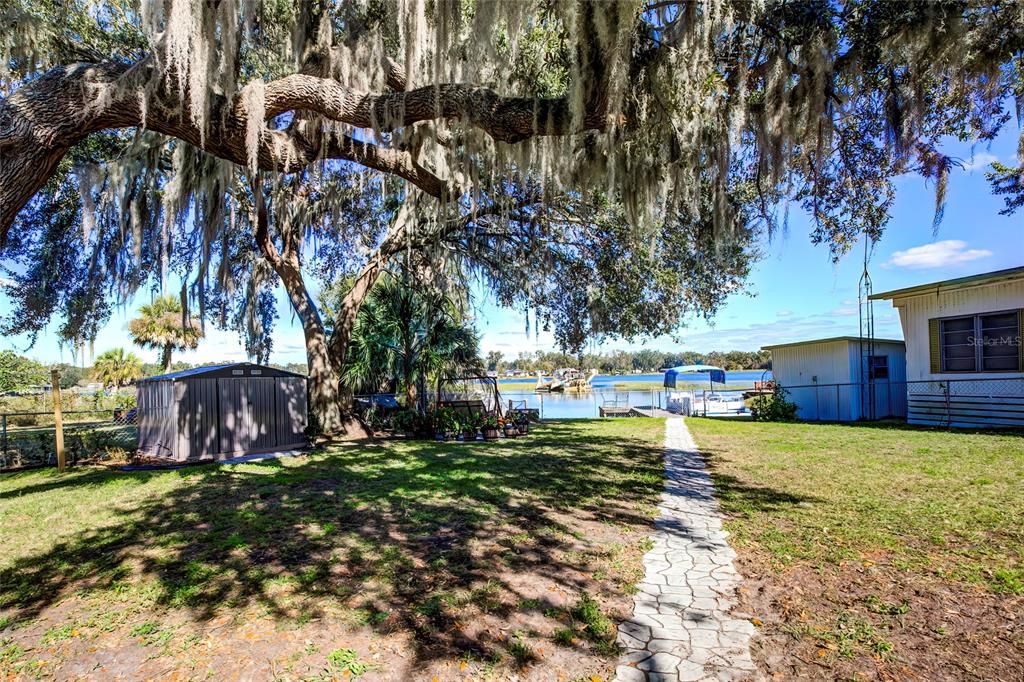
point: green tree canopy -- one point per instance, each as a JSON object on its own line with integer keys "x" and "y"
{"x": 495, "y": 360}
{"x": 242, "y": 147}
{"x": 19, "y": 373}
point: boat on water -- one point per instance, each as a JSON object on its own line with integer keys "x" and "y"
{"x": 720, "y": 404}
{"x": 565, "y": 380}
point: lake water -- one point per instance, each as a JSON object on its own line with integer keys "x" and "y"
{"x": 580, "y": 405}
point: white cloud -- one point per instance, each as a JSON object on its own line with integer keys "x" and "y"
{"x": 946, "y": 253}
{"x": 6, "y": 282}
{"x": 979, "y": 162}
{"x": 784, "y": 313}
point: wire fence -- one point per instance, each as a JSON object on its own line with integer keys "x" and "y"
{"x": 585, "y": 404}
{"x": 981, "y": 403}
{"x": 29, "y": 439}
{"x": 47, "y": 425}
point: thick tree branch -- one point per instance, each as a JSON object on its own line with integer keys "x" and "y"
{"x": 506, "y": 119}
{"x": 42, "y": 120}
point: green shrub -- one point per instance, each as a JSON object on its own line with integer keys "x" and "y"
{"x": 773, "y": 407}
{"x": 405, "y": 420}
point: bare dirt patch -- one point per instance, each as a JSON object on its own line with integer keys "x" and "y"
{"x": 875, "y": 622}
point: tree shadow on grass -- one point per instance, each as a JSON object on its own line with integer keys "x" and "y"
{"x": 409, "y": 530}
{"x": 737, "y": 494}
{"x": 52, "y": 480}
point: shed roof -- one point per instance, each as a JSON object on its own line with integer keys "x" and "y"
{"x": 225, "y": 370}
{"x": 831, "y": 339}
{"x": 958, "y": 283}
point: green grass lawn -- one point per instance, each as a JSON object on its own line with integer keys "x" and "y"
{"x": 433, "y": 558}
{"x": 860, "y": 534}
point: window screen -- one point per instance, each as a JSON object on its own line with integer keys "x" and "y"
{"x": 959, "y": 353}
{"x": 999, "y": 350}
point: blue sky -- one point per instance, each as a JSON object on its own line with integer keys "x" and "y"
{"x": 795, "y": 292}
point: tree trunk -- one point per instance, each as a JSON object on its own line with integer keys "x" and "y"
{"x": 345, "y": 319}
{"x": 330, "y": 408}
{"x": 327, "y": 401}
{"x": 165, "y": 357}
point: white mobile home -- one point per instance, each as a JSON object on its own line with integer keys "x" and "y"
{"x": 828, "y": 378}
{"x": 965, "y": 360}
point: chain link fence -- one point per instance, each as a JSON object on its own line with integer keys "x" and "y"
{"x": 94, "y": 425}
{"x": 29, "y": 439}
{"x": 968, "y": 403}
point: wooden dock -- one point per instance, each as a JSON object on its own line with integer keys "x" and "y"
{"x": 633, "y": 411}
{"x": 651, "y": 411}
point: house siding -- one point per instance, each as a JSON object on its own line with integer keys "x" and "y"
{"x": 915, "y": 311}
{"x": 961, "y": 399}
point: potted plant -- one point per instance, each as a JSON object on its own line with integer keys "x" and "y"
{"x": 446, "y": 424}
{"x": 510, "y": 429}
{"x": 490, "y": 427}
{"x": 470, "y": 425}
{"x": 522, "y": 422}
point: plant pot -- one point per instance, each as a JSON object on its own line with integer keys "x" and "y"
{"x": 524, "y": 428}
{"x": 468, "y": 434}
{"x": 511, "y": 432}
{"x": 490, "y": 433}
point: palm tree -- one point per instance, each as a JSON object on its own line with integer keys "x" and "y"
{"x": 404, "y": 335}
{"x": 117, "y": 368}
{"x": 160, "y": 325}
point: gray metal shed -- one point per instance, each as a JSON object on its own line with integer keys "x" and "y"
{"x": 221, "y": 411}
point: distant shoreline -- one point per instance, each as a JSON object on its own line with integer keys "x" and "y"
{"x": 740, "y": 378}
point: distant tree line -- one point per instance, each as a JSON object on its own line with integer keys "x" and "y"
{"x": 621, "y": 361}
{"x": 113, "y": 368}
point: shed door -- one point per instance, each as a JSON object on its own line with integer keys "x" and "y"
{"x": 291, "y": 410}
{"x": 196, "y": 401}
{"x": 246, "y": 414}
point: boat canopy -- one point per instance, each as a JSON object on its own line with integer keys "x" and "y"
{"x": 717, "y": 374}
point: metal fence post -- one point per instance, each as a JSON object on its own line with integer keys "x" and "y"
{"x": 949, "y": 416}
{"x": 58, "y": 425}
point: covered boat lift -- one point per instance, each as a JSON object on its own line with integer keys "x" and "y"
{"x": 716, "y": 375}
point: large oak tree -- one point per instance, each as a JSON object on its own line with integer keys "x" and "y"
{"x": 538, "y": 145}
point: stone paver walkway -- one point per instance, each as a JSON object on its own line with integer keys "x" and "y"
{"x": 681, "y": 628}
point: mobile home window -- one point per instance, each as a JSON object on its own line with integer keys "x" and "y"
{"x": 959, "y": 353}
{"x": 999, "y": 339}
{"x": 980, "y": 343}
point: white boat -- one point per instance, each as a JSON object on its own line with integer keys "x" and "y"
{"x": 715, "y": 403}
